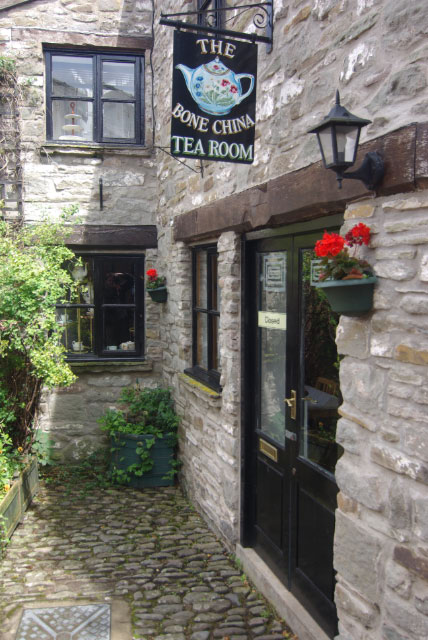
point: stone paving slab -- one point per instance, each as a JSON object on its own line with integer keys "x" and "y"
{"x": 148, "y": 549}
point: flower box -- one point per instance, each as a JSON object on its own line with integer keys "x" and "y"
{"x": 19, "y": 496}
{"x": 349, "y": 297}
{"x": 125, "y": 455}
{"x": 158, "y": 295}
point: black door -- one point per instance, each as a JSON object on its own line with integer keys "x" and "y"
{"x": 291, "y": 413}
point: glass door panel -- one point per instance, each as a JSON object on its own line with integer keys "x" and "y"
{"x": 319, "y": 372}
{"x": 272, "y": 324}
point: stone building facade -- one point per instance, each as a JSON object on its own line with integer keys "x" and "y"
{"x": 375, "y": 52}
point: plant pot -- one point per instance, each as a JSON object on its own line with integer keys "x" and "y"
{"x": 349, "y": 297}
{"x": 19, "y": 496}
{"x": 158, "y": 295}
{"x": 124, "y": 455}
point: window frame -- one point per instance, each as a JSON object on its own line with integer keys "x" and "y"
{"x": 209, "y": 376}
{"x": 203, "y": 5}
{"x": 99, "y": 353}
{"x": 98, "y": 58}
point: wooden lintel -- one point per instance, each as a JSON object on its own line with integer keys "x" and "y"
{"x": 56, "y": 37}
{"x": 311, "y": 192}
{"x": 114, "y": 236}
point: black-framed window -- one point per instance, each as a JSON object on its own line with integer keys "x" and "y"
{"x": 211, "y": 19}
{"x": 94, "y": 97}
{"x": 206, "y": 316}
{"x": 107, "y": 318}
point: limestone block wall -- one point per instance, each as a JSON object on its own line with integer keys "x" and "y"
{"x": 373, "y": 51}
{"x": 209, "y": 443}
{"x": 68, "y": 418}
{"x": 56, "y": 176}
{"x": 381, "y": 539}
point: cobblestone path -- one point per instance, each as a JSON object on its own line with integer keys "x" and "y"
{"x": 148, "y": 547}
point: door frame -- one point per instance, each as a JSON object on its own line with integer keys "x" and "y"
{"x": 247, "y": 515}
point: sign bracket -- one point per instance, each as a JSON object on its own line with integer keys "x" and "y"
{"x": 263, "y": 19}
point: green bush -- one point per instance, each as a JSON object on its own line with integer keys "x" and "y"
{"x": 32, "y": 281}
{"x": 145, "y": 412}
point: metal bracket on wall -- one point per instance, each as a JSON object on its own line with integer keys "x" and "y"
{"x": 263, "y": 19}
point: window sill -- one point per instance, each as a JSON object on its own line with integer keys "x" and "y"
{"x": 95, "y": 149}
{"x": 204, "y": 380}
{"x": 111, "y": 366}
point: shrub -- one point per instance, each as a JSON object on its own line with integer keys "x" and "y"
{"x": 32, "y": 281}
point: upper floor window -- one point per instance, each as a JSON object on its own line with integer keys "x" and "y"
{"x": 107, "y": 318}
{"x": 94, "y": 97}
{"x": 211, "y": 19}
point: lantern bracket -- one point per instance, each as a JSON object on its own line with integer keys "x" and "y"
{"x": 370, "y": 172}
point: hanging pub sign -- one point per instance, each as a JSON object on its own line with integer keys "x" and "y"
{"x": 213, "y": 98}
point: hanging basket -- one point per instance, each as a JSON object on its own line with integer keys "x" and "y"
{"x": 158, "y": 295}
{"x": 349, "y": 297}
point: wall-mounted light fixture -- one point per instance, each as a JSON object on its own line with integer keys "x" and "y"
{"x": 338, "y": 136}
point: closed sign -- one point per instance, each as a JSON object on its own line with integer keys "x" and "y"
{"x": 272, "y": 320}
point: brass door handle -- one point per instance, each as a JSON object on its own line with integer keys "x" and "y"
{"x": 292, "y": 403}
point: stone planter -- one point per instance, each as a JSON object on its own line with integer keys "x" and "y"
{"x": 125, "y": 455}
{"x": 158, "y": 295}
{"x": 18, "y": 498}
{"x": 349, "y": 297}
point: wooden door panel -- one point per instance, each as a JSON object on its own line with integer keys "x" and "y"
{"x": 270, "y": 520}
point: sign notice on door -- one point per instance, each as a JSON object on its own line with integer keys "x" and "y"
{"x": 272, "y": 320}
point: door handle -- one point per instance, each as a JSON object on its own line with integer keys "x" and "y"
{"x": 309, "y": 399}
{"x": 292, "y": 403}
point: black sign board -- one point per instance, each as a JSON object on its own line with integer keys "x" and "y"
{"x": 213, "y": 98}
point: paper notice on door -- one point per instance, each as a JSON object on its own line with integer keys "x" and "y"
{"x": 272, "y": 320}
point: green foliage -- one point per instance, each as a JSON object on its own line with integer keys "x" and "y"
{"x": 11, "y": 461}
{"x": 32, "y": 282}
{"x": 146, "y": 412}
{"x": 7, "y": 67}
{"x": 344, "y": 265}
{"x": 86, "y": 475}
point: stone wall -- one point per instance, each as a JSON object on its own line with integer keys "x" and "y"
{"x": 373, "y": 51}
{"x": 210, "y": 422}
{"x": 58, "y": 175}
{"x": 381, "y": 540}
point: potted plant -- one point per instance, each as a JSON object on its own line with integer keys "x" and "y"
{"x": 143, "y": 437}
{"x": 156, "y": 286}
{"x": 346, "y": 280}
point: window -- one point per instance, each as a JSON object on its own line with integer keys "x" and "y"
{"x": 210, "y": 19}
{"x": 94, "y": 97}
{"x": 206, "y": 316}
{"x": 106, "y": 321}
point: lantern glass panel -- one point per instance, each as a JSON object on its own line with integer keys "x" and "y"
{"x": 326, "y": 144}
{"x": 347, "y": 139}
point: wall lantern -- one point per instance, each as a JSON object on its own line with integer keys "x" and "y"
{"x": 338, "y": 135}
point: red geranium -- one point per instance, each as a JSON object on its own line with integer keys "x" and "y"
{"x": 329, "y": 246}
{"x": 154, "y": 280}
{"x": 336, "y": 262}
{"x": 360, "y": 234}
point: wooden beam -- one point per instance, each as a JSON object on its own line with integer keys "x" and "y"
{"x": 311, "y": 192}
{"x": 63, "y": 39}
{"x": 114, "y": 236}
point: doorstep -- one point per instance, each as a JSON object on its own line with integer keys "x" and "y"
{"x": 59, "y": 620}
{"x": 286, "y": 605}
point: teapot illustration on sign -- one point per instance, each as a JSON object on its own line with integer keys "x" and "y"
{"x": 215, "y": 88}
